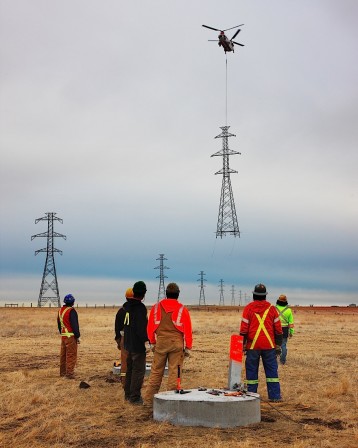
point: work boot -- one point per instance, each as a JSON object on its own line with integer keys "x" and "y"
{"x": 137, "y": 401}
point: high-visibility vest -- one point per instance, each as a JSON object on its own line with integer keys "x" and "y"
{"x": 286, "y": 317}
{"x": 64, "y": 317}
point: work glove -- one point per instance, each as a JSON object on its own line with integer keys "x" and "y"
{"x": 290, "y": 335}
{"x": 78, "y": 340}
{"x": 152, "y": 347}
{"x": 187, "y": 353}
{"x": 278, "y": 350}
{"x": 118, "y": 343}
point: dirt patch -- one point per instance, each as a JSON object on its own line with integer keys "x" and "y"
{"x": 332, "y": 424}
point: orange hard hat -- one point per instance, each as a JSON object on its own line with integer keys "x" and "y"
{"x": 129, "y": 293}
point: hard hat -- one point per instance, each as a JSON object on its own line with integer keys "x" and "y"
{"x": 282, "y": 298}
{"x": 260, "y": 290}
{"x": 129, "y": 293}
{"x": 69, "y": 299}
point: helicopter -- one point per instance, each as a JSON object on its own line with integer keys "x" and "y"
{"x": 223, "y": 40}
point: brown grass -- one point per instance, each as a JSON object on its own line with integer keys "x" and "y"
{"x": 38, "y": 409}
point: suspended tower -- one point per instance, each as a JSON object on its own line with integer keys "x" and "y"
{"x": 161, "y": 276}
{"x": 202, "y": 286}
{"x": 221, "y": 301}
{"x": 49, "y": 291}
{"x": 232, "y": 295}
{"x": 227, "y": 219}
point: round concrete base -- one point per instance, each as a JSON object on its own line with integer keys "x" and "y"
{"x": 198, "y": 408}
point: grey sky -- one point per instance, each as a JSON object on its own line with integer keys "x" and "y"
{"x": 108, "y": 113}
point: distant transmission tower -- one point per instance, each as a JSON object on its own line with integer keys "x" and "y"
{"x": 240, "y": 301}
{"x": 202, "y": 286}
{"x": 49, "y": 278}
{"x": 161, "y": 276}
{"x": 232, "y": 295}
{"x": 227, "y": 219}
{"x": 221, "y": 301}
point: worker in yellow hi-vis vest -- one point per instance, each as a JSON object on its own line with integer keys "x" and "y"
{"x": 286, "y": 317}
{"x": 262, "y": 331}
{"x": 67, "y": 321}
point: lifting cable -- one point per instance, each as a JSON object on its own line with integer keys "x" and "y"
{"x": 226, "y": 95}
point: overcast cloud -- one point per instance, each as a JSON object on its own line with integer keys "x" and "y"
{"x": 108, "y": 113}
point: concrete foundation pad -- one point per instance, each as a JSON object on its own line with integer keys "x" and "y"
{"x": 198, "y": 408}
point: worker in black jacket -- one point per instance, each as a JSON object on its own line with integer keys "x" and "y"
{"x": 135, "y": 337}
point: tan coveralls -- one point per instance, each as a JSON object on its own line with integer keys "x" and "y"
{"x": 169, "y": 346}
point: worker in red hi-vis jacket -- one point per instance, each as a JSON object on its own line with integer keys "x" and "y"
{"x": 262, "y": 331}
{"x": 170, "y": 337}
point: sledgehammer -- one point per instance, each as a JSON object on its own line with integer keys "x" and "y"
{"x": 179, "y": 389}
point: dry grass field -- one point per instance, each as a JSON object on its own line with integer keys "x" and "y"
{"x": 40, "y": 409}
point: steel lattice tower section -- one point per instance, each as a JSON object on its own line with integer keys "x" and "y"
{"x": 202, "y": 286}
{"x": 227, "y": 218}
{"x": 49, "y": 277}
{"x": 221, "y": 300}
{"x": 232, "y": 295}
{"x": 161, "y": 276}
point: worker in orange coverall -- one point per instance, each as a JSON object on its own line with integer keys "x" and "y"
{"x": 67, "y": 322}
{"x": 119, "y": 329}
{"x": 170, "y": 337}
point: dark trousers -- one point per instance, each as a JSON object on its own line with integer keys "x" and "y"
{"x": 134, "y": 376}
{"x": 271, "y": 371}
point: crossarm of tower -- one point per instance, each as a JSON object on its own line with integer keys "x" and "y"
{"x": 45, "y": 250}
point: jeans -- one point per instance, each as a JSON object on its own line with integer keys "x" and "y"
{"x": 271, "y": 371}
{"x": 284, "y": 351}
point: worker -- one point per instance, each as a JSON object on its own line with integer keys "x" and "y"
{"x": 67, "y": 321}
{"x": 286, "y": 317}
{"x": 262, "y": 332}
{"x": 119, "y": 338}
{"x": 170, "y": 338}
{"x": 135, "y": 337}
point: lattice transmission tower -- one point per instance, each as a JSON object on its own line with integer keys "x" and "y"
{"x": 227, "y": 218}
{"x": 49, "y": 282}
{"x": 161, "y": 276}
{"x": 221, "y": 300}
{"x": 202, "y": 286}
{"x": 232, "y": 295}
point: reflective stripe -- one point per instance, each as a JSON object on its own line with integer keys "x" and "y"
{"x": 263, "y": 328}
{"x": 177, "y": 322}
{"x": 245, "y": 320}
{"x": 277, "y": 319}
{"x": 156, "y": 322}
{"x": 280, "y": 313}
{"x": 126, "y": 319}
{"x": 64, "y": 331}
{"x": 252, "y": 381}
{"x": 272, "y": 380}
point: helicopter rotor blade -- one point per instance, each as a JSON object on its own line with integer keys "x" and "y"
{"x": 227, "y": 29}
{"x": 237, "y": 43}
{"x": 210, "y": 27}
{"x": 237, "y": 32}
